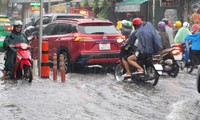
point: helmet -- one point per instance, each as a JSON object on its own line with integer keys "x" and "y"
{"x": 195, "y": 28}
{"x": 161, "y": 24}
{"x": 124, "y": 22}
{"x": 128, "y": 24}
{"x": 137, "y": 21}
{"x": 165, "y": 20}
{"x": 18, "y": 23}
{"x": 186, "y": 24}
{"x": 178, "y": 24}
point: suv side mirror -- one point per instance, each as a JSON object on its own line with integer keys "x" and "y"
{"x": 46, "y": 21}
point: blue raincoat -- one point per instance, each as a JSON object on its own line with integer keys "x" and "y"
{"x": 195, "y": 39}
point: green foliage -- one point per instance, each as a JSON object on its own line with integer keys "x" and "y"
{"x": 84, "y": 3}
{"x": 1, "y": 4}
{"x": 95, "y": 5}
{"x": 105, "y": 12}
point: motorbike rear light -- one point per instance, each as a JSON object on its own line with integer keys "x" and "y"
{"x": 176, "y": 52}
{"x": 8, "y": 28}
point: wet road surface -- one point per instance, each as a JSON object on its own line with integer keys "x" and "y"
{"x": 97, "y": 95}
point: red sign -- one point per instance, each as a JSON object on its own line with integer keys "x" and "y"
{"x": 33, "y": 8}
{"x": 169, "y": 3}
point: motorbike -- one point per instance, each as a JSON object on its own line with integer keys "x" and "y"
{"x": 168, "y": 62}
{"x": 23, "y": 62}
{"x": 152, "y": 71}
{"x": 184, "y": 65}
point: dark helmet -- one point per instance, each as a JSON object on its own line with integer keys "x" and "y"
{"x": 137, "y": 21}
{"x": 165, "y": 20}
{"x": 161, "y": 24}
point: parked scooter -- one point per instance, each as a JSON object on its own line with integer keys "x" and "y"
{"x": 23, "y": 62}
{"x": 152, "y": 71}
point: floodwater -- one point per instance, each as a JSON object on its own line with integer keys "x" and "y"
{"x": 97, "y": 96}
{"x": 94, "y": 94}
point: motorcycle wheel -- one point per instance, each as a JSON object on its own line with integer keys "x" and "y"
{"x": 198, "y": 80}
{"x": 28, "y": 73}
{"x": 153, "y": 75}
{"x": 189, "y": 69}
{"x": 175, "y": 70}
{"x": 119, "y": 71}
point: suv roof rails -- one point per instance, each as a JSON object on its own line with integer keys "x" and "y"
{"x": 72, "y": 19}
{"x": 100, "y": 19}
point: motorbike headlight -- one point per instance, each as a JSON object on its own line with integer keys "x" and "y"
{"x": 24, "y": 45}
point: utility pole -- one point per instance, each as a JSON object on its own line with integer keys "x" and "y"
{"x": 49, "y": 6}
{"x": 40, "y": 39}
{"x": 153, "y": 12}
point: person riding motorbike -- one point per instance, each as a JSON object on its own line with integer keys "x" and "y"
{"x": 192, "y": 53}
{"x": 129, "y": 47}
{"x": 149, "y": 43}
{"x": 182, "y": 33}
{"x": 169, "y": 30}
{"x": 163, "y": 34}
{"x": 177, "y": 26}
{"x": 126, "y": 28}
{"x": 16, "y": 36}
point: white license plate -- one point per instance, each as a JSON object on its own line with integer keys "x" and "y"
{"x": 178, "y": 57}
{"x": 104, "y": 46}
{"x": 2, "y": 38}
{"x": 158, "y": 66}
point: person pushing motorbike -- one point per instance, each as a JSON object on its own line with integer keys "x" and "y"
{"x": 16, "y": 36}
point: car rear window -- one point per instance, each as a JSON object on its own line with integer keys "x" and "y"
{"x": 97, "y": 28}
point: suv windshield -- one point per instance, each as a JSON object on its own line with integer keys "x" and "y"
{"x": 97, "y": 28}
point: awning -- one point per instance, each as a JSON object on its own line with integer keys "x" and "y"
{"x": 132, "y": 2}
{"x": 129, "y": 5}
{"x": 29, "y": 1}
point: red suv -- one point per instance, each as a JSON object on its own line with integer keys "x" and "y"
{"x": 82, "y": 41}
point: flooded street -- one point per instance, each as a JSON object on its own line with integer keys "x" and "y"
{"x": 97, "y": 96}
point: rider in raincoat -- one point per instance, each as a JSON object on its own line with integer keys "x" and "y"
{"x": 13, "y": 38}
{"x": 194, "y": 54}
{"x": 182, "y": 33}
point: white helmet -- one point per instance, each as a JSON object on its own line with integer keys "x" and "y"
{"x": 186, "y": 24}
{"x": 18, "y": 23}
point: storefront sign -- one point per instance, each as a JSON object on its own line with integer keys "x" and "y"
{"x": 29, "y": 1}
{"x": 35, "y": 6}
{"x": 169, "y": 3}
{"x": 127, "y": 8}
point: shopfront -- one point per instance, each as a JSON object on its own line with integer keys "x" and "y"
{"x": 129, "y": 9}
